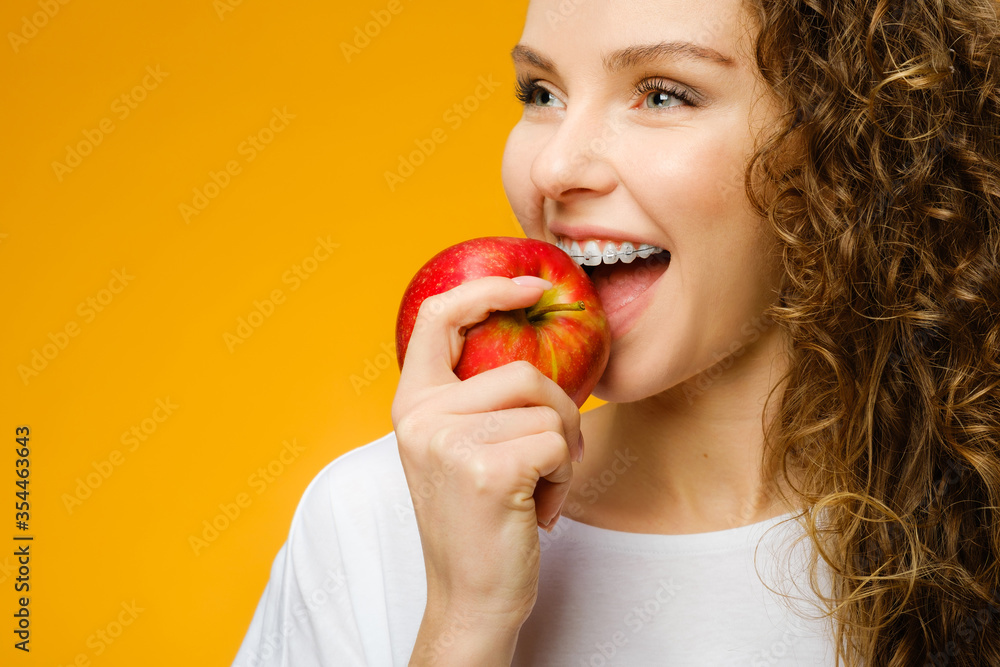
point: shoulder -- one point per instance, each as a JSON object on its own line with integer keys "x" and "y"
{"x": 347, "y": 585}
{"x": 376, "y": 461}
{"x": 362, "y": 485}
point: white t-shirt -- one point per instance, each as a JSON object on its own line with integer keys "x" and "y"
{"x": 348, "y": 588}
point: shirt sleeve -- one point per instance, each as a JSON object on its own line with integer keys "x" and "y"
{"x": 305, "y": 617}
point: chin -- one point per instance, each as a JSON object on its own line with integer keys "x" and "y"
{"x": 622, "y": 386}
{"x": 628, "y": 381}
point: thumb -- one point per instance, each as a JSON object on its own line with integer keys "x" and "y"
{"x": 438, "y": 336}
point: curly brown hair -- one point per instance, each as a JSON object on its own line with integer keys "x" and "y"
{"x": 883, "y": 188}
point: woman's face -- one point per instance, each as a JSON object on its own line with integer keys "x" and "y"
{"x": 639, "y": 120}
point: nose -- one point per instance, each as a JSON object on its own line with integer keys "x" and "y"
{"x": 575, "y": 163}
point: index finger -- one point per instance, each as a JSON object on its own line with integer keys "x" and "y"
{"x": 435, "y": 346}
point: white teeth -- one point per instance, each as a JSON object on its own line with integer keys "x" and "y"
{"x": 576, "y": 253}
{"x": 591, "y": 253}
{"x": 627, "y": 252}
{"x": 610, "y": 253}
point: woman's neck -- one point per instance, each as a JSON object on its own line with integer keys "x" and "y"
{"x": 687, "y": 460}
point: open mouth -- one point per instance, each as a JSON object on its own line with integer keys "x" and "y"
{"x": 621, "y": 271}
{"x": 619, "y": 284}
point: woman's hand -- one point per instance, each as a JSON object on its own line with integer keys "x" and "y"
{"x": 487, "y": 461}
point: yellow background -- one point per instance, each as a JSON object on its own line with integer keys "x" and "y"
{"x": 113, "y": 519}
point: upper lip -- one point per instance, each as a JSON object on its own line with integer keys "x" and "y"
{"x": 588, "y": 232}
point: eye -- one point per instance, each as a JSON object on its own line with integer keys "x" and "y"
{"x": 659, "y": 99}
{"x": 658, "y": 94}
{"x": 530, "y": 93}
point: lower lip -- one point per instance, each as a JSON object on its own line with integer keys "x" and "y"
{"x": 625, "y": 310}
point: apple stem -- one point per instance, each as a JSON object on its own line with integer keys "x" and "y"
{"x": 536, "y": 314}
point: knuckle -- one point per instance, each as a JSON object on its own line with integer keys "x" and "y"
{"x": 452, "y": 445}
{"x": 492, "y": 424}
{"x": 554, "y": 439}
{"x": 410, "y": 428}
{"x": 525, "y": 373}
{"x": 441, "y": 441}
{"x": 463, "y": 447}
{"x": 434, "y": 306}
{"x": 397, "y": 413}
{"x": 483, "y": 477}
{"x": 549, "y": 419}
{"x": 425, "y": 314}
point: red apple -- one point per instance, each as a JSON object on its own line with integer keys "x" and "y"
{"x": 565, "y": 334}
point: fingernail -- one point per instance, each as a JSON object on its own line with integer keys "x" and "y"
{"x": 532, "y": 281}
{"x": 579, "y": 451}
{"x": 550, "y": 526}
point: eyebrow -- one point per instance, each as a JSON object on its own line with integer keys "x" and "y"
{"x": 630, "y": 57}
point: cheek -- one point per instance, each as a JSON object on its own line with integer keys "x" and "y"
{"x": 692, "y": 188}
{"x": 515, "y": 171}
{"x": 693, "y": 176}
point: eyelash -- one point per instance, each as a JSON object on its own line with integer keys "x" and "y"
{"x": 525, "y": 90}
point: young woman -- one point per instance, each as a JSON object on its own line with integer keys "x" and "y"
{"x": 799, "y": 462}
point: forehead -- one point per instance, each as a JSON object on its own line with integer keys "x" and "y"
{"x": 599, "y": 27}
